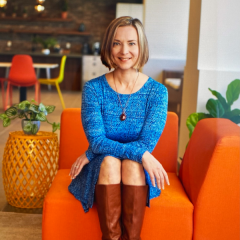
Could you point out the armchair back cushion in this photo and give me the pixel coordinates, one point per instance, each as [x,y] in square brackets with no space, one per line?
[73,141]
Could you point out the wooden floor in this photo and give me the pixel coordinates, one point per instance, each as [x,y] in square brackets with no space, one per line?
[72,100]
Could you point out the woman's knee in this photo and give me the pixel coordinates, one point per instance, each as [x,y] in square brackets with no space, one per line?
[110,171]
[132,173]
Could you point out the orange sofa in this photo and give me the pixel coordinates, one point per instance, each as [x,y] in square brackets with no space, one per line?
[201,204]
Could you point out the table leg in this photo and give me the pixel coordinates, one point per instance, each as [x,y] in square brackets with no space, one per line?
[38,72]
[48,77]
[23,94]
[6,76]
[7,72]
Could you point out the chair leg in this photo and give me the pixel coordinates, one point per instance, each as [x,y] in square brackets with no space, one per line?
[7,96]
[3,100]
[60,95]
[37,93]
[11,89]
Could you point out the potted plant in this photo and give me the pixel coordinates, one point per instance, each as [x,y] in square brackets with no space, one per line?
[218,108]
[31,115]
[64,9]
[25,12]
[46,44]
[3,12]
[14,13]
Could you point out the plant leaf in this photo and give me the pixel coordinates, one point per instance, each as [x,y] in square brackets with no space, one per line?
[50,108]
[42,109]
[34,128]
[193,119]
[3,116]
[34,108]
[55,126]
[24,105]
[215,108]
[233,113]
[6,122]
[21,114]
[235,119]
[41,117]
[28,127]
[233,91]
[221,99]
[11,112]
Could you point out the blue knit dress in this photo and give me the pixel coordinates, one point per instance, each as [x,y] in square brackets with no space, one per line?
[109,136]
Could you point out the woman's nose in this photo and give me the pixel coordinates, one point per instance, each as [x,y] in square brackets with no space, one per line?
[124,49]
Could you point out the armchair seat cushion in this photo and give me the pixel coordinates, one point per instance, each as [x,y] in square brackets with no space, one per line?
[170,215]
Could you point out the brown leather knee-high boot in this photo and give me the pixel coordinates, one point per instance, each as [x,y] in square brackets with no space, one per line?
[108,202]
[134,200]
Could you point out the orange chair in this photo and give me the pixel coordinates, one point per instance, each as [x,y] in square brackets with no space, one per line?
[22,74]
[194,206]
[2,80]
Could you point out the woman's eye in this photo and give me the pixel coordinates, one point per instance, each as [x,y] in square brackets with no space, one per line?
[115,43]
[132,43]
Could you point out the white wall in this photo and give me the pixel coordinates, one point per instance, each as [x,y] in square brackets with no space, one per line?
[134,10]
[166,26]
[219,48]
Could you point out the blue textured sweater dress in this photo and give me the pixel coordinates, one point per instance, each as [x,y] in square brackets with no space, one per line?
[109,136]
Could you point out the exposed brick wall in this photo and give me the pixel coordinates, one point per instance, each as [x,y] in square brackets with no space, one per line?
[95,14]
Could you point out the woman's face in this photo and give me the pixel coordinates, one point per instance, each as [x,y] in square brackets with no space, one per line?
[125,49]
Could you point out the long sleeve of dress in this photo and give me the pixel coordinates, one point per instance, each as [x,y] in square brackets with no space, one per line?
[92,121]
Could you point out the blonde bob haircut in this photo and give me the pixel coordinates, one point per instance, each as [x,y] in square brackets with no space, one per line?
[108,39]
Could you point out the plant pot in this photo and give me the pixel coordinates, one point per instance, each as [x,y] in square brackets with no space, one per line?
[45,51]
[14,15]
[64,15]
[25,15]
[30,127]
[3,15]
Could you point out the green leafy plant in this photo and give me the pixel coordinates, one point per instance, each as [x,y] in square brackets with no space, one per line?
[218,108]
[3,9]
[24,10]
[64,6]
[15,8]
[29,111]
[47,43]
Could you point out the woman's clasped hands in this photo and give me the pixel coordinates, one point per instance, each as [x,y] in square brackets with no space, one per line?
[78,165]
[155,170]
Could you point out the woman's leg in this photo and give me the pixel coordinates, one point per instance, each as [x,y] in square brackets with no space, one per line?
[108,198]
[134,198]
[110,172]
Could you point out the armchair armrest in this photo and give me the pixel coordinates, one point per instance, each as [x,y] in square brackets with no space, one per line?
[210,176]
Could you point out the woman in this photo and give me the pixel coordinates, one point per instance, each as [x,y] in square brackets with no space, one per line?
[123,115]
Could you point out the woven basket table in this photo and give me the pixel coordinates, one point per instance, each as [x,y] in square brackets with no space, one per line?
[30,162]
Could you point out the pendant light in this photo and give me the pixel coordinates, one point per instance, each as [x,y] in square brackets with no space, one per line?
[40,1]
[39,7]
[3,3]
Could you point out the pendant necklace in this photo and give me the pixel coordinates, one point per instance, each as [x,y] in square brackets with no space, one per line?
[123,116]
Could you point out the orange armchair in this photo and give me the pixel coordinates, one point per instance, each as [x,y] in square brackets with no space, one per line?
[202,203]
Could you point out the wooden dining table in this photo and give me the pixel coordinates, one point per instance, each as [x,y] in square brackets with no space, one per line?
[37,66]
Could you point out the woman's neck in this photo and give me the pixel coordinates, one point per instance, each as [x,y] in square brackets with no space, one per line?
[125,77]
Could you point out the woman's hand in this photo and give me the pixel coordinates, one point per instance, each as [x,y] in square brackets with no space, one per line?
[155,169]
[78,165]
